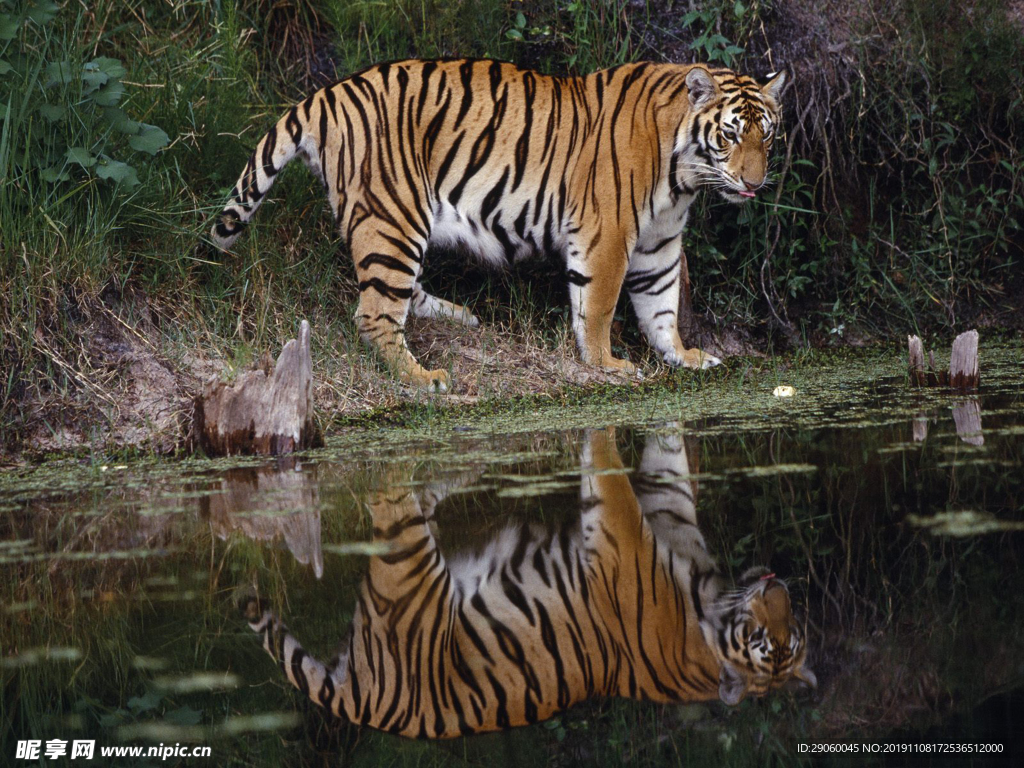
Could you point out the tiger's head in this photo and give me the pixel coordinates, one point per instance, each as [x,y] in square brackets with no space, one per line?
[756,638]
[733,121]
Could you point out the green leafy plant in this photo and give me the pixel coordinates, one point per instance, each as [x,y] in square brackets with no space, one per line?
[710,43]
[62,117]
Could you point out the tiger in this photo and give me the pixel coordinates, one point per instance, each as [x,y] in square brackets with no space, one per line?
[624,601]
[504,163]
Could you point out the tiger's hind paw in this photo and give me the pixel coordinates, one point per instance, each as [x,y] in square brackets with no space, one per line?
[432,381]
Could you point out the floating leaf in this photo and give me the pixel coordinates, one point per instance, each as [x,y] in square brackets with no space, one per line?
[108,95]
[965,522]
[140,704]
[150,139]
[267,721]
[149,663]
[44,653]
[80,156]
[199,681]
[359,548]
[116,171]
[53,112]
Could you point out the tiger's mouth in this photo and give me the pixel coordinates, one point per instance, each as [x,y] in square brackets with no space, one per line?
[738,196]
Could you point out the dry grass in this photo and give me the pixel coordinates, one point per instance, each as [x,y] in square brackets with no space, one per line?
[130,386]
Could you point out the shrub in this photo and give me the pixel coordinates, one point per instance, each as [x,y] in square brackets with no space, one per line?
[62,116]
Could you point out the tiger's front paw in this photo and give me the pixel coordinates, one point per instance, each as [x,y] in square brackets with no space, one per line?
[691,358]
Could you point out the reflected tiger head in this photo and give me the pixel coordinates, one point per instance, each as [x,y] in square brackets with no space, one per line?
[757,639]
[734,123]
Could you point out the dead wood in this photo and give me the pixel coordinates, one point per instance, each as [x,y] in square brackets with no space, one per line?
[963,362]
[963,372]
[260,414]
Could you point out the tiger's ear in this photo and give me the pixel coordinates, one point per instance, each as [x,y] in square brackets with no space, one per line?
[732,686]
[774,84]
[701,87]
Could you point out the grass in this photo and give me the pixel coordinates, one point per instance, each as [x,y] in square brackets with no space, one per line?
[838,255]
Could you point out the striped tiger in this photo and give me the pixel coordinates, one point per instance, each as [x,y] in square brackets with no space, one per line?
[625,601]
[504,162]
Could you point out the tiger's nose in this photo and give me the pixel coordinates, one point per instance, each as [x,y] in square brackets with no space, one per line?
[752,186]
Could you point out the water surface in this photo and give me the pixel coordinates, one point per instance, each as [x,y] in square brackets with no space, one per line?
[893,515]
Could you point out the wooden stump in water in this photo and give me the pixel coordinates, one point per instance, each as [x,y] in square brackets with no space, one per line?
[963,372]
[916,351]
[963,362]
[260,414]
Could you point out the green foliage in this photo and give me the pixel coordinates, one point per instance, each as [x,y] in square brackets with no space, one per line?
[366,32]
[63,119]
[902,205]
[576,37]
[711,45]
[939,126]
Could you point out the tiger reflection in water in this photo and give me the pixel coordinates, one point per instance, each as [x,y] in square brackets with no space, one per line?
[626,601]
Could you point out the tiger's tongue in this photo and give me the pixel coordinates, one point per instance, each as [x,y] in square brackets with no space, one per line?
[747,194]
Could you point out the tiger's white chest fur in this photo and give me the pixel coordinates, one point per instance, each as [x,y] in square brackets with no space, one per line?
[666,219]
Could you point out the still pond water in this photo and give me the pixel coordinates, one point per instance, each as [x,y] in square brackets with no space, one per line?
[895,517]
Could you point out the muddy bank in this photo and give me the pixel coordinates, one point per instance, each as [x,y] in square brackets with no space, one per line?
[123,376]
[113,381]
[131,382]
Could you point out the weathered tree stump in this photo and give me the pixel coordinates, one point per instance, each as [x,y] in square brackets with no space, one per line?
[260,414]
[963,362]
[963,365]
[916,365]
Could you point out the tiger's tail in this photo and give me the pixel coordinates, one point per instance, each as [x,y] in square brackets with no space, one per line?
[323,683]
[273,152]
